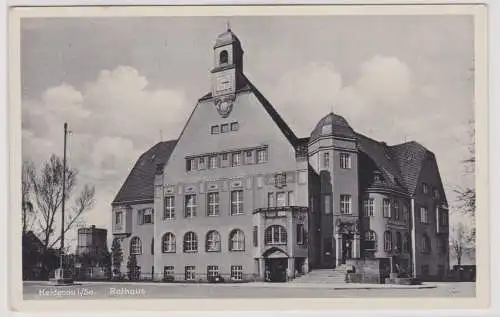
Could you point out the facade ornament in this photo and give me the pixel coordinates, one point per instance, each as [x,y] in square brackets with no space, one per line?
[224,105]
[338,226]
[356,226]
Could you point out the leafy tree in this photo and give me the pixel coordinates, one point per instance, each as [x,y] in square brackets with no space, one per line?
[116,257]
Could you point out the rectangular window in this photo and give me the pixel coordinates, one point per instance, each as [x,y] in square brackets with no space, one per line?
[425,188]
[270,200]
[190,273]
[169,212]
[236,202]
[212,272]
[326,160]
[236,159]
[327,203]
[424,215]
[386,204]
[368,207]
[255,236]
[214,162]
[147,216]
[201,163]
[396,209]
[236,272]
[191,165]
[224,128]
[345,160]
[214,129]
[262,156]
[280,180]
[190,206]
[168,272]
[118,217]
[300,233]
[212,204]
[436,193]
[234,126]
[345,204]
[444,217]
[224,156]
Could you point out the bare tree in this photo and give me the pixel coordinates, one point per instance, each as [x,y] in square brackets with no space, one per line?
[26,192]
[467,195]
[461,241]
[47,192]
[85,201]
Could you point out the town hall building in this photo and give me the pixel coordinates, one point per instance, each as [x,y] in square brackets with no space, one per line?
[238,195]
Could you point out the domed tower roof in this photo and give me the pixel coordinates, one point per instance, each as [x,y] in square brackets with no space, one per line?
[228,37]
[332,125]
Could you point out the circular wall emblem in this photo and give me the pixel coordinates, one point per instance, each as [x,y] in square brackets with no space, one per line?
[224,106]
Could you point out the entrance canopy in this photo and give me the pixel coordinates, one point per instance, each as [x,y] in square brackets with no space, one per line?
[275,253]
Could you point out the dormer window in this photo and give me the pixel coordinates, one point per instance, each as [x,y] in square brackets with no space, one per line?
[223,57]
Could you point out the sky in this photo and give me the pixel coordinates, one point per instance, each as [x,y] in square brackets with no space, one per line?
[124,84]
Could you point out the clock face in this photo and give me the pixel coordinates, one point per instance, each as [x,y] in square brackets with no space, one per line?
[223,83]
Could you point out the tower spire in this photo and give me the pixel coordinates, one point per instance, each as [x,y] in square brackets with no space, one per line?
[228,26]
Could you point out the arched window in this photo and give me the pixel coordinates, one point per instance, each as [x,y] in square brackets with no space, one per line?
[236,240]
[223,57]
[406,241]
[399,241]
[135,246]
[387,241]
[190,242]
[370,240]
[213,241]
[426,244]
[168,243]
[275,234]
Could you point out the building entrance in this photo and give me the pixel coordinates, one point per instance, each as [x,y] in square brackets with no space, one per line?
[276,270]
[346,247]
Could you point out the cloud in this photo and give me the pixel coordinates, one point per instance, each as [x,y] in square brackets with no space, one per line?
[309,89]
[386,103]
[112,120]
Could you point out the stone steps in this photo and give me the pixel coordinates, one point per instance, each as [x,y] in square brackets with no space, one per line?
[332,276]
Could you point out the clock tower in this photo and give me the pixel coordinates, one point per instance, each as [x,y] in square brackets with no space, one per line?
[227,74]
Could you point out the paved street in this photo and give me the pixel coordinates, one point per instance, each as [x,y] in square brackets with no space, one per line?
[44,290]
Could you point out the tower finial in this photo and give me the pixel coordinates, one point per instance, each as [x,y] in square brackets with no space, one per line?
[228,25]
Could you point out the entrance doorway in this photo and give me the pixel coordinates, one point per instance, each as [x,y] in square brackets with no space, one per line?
[276,269]
[346,247]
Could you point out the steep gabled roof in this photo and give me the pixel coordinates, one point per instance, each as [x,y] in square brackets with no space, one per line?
[410,158]
[379,153]
[139,184]
[292,138]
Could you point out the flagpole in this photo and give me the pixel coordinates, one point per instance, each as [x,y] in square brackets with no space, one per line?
[61,261]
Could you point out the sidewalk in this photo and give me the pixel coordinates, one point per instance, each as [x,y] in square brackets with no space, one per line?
[252,285]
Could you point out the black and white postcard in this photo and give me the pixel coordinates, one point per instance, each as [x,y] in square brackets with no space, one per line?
[279,157]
